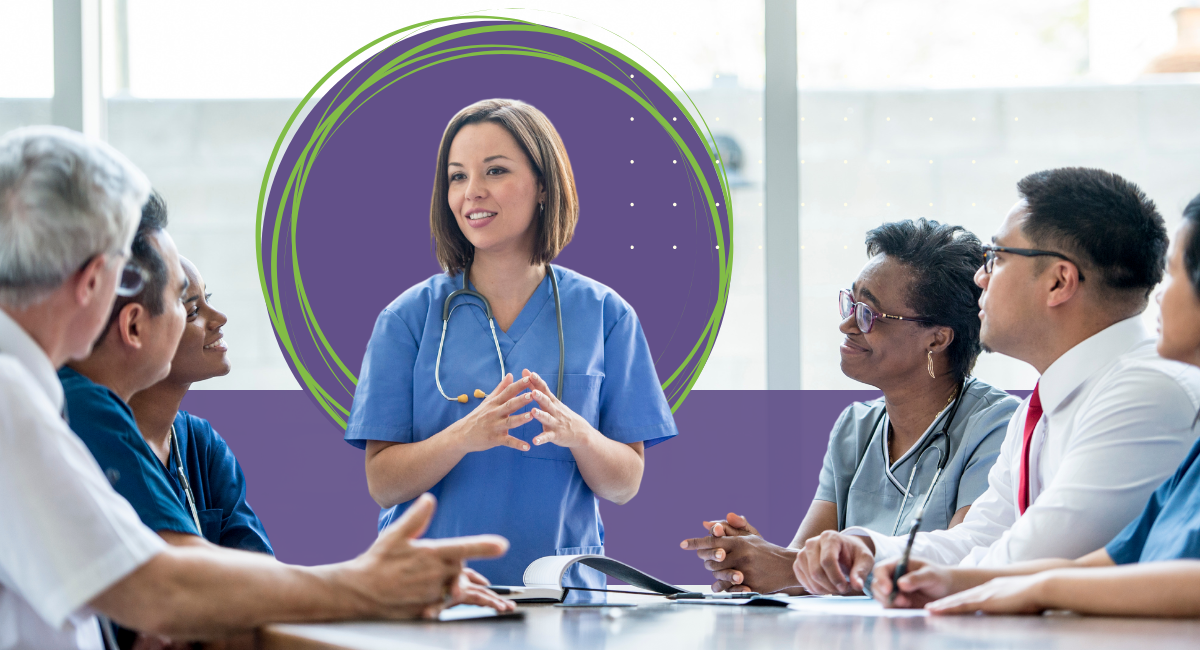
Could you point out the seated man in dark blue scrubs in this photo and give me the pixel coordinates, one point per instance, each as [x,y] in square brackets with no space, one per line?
[216,479]
[135,353]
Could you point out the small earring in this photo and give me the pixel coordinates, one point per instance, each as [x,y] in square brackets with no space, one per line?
[929,366]
[541,206]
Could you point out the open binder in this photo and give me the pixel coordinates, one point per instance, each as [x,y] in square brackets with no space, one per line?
[543,578]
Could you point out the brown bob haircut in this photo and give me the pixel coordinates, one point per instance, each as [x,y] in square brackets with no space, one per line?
[546,154]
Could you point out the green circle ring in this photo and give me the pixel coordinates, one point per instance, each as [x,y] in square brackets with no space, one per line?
[418,58]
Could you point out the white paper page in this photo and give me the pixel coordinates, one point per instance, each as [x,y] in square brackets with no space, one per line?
[849,606]
[548,571]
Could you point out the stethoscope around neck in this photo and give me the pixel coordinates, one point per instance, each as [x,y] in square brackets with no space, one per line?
[447,310]
[183,480]
[943,457]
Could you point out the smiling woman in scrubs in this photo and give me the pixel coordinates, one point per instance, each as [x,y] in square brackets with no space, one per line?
[509,456]
[214,476]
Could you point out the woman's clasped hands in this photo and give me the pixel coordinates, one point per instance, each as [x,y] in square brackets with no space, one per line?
[488,425]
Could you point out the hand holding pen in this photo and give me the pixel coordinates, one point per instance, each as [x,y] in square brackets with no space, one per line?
[907,583]
[902,566]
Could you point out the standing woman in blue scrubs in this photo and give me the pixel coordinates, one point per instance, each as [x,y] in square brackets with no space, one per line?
[501,449]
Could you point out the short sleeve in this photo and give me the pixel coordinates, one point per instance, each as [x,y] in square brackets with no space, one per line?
[1126,547]
[633,407]
[134,471]
[383,408]
[827,484]
[240,526]
[66,535]
[988,426]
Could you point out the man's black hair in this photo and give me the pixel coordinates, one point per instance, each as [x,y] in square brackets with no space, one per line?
[145,255]
[1103,222]
[943,260]
[1191,254]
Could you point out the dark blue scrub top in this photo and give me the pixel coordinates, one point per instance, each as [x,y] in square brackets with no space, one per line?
[1169,527]
[219,487]
[106,425]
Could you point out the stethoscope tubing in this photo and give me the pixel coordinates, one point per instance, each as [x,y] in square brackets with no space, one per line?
[447,311]
[183,480]
[943,458]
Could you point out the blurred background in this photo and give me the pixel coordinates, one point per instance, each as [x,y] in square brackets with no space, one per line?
[914,108]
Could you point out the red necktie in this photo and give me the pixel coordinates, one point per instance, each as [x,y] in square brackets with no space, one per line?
[1032,415]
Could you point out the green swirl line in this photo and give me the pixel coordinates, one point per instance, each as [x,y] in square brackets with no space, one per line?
[412,61]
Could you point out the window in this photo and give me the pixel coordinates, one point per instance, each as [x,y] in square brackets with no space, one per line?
[205,110]
[935,108]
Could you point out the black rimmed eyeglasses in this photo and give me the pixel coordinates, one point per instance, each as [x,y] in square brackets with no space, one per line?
[865,317]
[989,256]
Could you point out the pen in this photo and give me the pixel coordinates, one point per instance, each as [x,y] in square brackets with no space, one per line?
[902,566]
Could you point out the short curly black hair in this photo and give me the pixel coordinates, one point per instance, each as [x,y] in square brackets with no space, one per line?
[943,260]
[1103,221]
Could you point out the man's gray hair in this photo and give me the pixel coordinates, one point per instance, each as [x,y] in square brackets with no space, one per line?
[64,198]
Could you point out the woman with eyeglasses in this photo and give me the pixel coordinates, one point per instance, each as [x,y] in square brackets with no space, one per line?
[911,327]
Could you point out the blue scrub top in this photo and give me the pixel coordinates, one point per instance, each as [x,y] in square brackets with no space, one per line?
[106,425]
[537,499]
[1169,527]
[219,487]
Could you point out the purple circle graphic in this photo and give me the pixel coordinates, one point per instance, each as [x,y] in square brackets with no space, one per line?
[345,219]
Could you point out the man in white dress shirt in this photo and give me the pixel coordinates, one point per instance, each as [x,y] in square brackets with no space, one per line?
[1064,284]
[70,546]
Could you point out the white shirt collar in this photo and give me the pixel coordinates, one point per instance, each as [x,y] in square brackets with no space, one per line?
[1070,370]
[16,341]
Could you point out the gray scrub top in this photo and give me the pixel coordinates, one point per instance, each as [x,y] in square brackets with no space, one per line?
[868,489]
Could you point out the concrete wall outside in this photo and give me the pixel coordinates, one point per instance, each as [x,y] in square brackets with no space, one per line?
[867,159]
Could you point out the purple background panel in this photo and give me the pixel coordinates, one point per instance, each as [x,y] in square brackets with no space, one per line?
[363,229]
[757,453]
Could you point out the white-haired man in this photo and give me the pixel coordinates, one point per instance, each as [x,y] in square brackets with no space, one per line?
[71,547]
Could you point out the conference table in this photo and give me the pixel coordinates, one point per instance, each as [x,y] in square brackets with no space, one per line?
[635,622]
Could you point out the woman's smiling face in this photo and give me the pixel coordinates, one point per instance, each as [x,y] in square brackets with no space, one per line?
[494,190]
[202,351]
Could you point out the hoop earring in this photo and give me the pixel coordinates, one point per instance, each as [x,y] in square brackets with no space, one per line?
[929,366]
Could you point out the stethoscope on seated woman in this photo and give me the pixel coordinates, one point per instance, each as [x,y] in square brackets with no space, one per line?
[183,480]
[943,458]
[487,309]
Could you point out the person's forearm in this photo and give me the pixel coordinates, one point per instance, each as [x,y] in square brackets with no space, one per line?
[967,577]
[173,594]
[613,470]
[782,578]
[1163,589]
[402,472]
[963,578]
[821,516]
